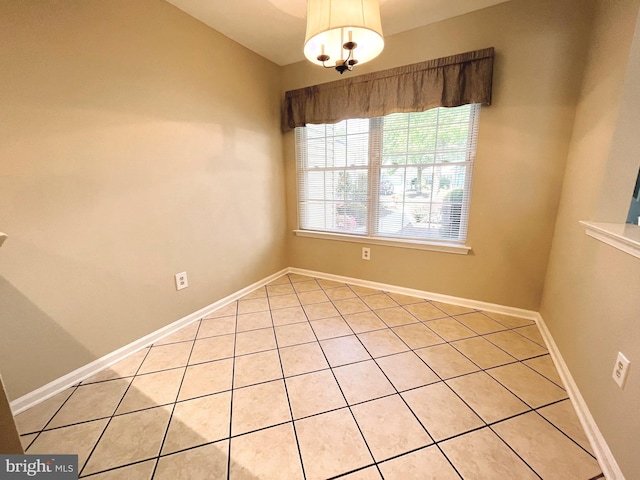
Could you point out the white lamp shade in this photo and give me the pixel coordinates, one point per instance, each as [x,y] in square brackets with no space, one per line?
[332,23]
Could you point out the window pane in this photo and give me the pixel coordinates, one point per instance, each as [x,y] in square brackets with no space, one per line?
[423,175]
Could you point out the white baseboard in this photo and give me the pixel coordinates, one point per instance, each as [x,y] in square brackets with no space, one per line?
[438,297]
[53,388]
[605,458]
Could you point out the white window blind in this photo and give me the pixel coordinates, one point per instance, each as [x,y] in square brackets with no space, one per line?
[405,175]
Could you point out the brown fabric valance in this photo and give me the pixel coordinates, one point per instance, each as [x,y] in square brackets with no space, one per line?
[443,82]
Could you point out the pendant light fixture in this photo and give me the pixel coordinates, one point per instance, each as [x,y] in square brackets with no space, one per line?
[343,33]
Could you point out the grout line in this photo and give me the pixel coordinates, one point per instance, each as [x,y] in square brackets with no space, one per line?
[93,449]
[286,391]
[561,431]
[233,371]
[342,392]
[173,409]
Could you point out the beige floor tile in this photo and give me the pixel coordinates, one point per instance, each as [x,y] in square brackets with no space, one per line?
[417,335]
[213,348]
[331,328]
[350,305]
[256,368]
[217,326]
[35,418]
[209,461]
[280,280]
[304,358]
[331,444]
[380,343]
[545,449]
[451,309]
[441,412]
[529,386]
[563,416]
[405,299]
[226,311]
[450,329]
[73,440]
[379,301]
[396,316]
[138,471]
[362,381]
[198,421]
[295,334]
[185,334]
[287,316]
[315,296]
[90,402]
[483,353]
[257,293]
[406,370]
[314,393]
[297,278]
[340,293]
[152,390]
[544,365]
[126,367]
[284,301]
[344,350]
[251,460]
[364,322]
[480,323]
[280,289]
[254,321]
[207,378]
[370,473]
[255,341]
[326,284]
[129,438]
[254,305]
[26,440]
[364,291]
[389,427]
[318,311]
[309,286]
[516,345]
[426,464]
[165,357]
[259,406]
[532,333]
[481,455]
[509,321]
[490,400]
[425,311]
[446,361]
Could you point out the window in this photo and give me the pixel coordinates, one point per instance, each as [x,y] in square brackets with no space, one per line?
[404,176]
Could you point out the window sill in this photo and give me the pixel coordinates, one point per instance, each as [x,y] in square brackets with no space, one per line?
[623,236]
[391,242]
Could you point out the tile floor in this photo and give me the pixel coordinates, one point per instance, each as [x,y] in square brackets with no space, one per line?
[310,378]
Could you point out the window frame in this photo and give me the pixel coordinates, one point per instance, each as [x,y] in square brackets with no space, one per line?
[374,170]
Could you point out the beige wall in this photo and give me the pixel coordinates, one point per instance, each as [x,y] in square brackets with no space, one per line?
[591,302]
[135,143]
[9,438]
[522,147]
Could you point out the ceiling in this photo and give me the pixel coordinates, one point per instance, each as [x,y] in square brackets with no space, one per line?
[275,29]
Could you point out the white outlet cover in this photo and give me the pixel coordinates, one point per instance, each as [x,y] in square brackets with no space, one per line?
[181,280]
[621,370]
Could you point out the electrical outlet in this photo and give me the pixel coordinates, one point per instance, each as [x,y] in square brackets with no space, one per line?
[181,280]
[621,370]
[366,253]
